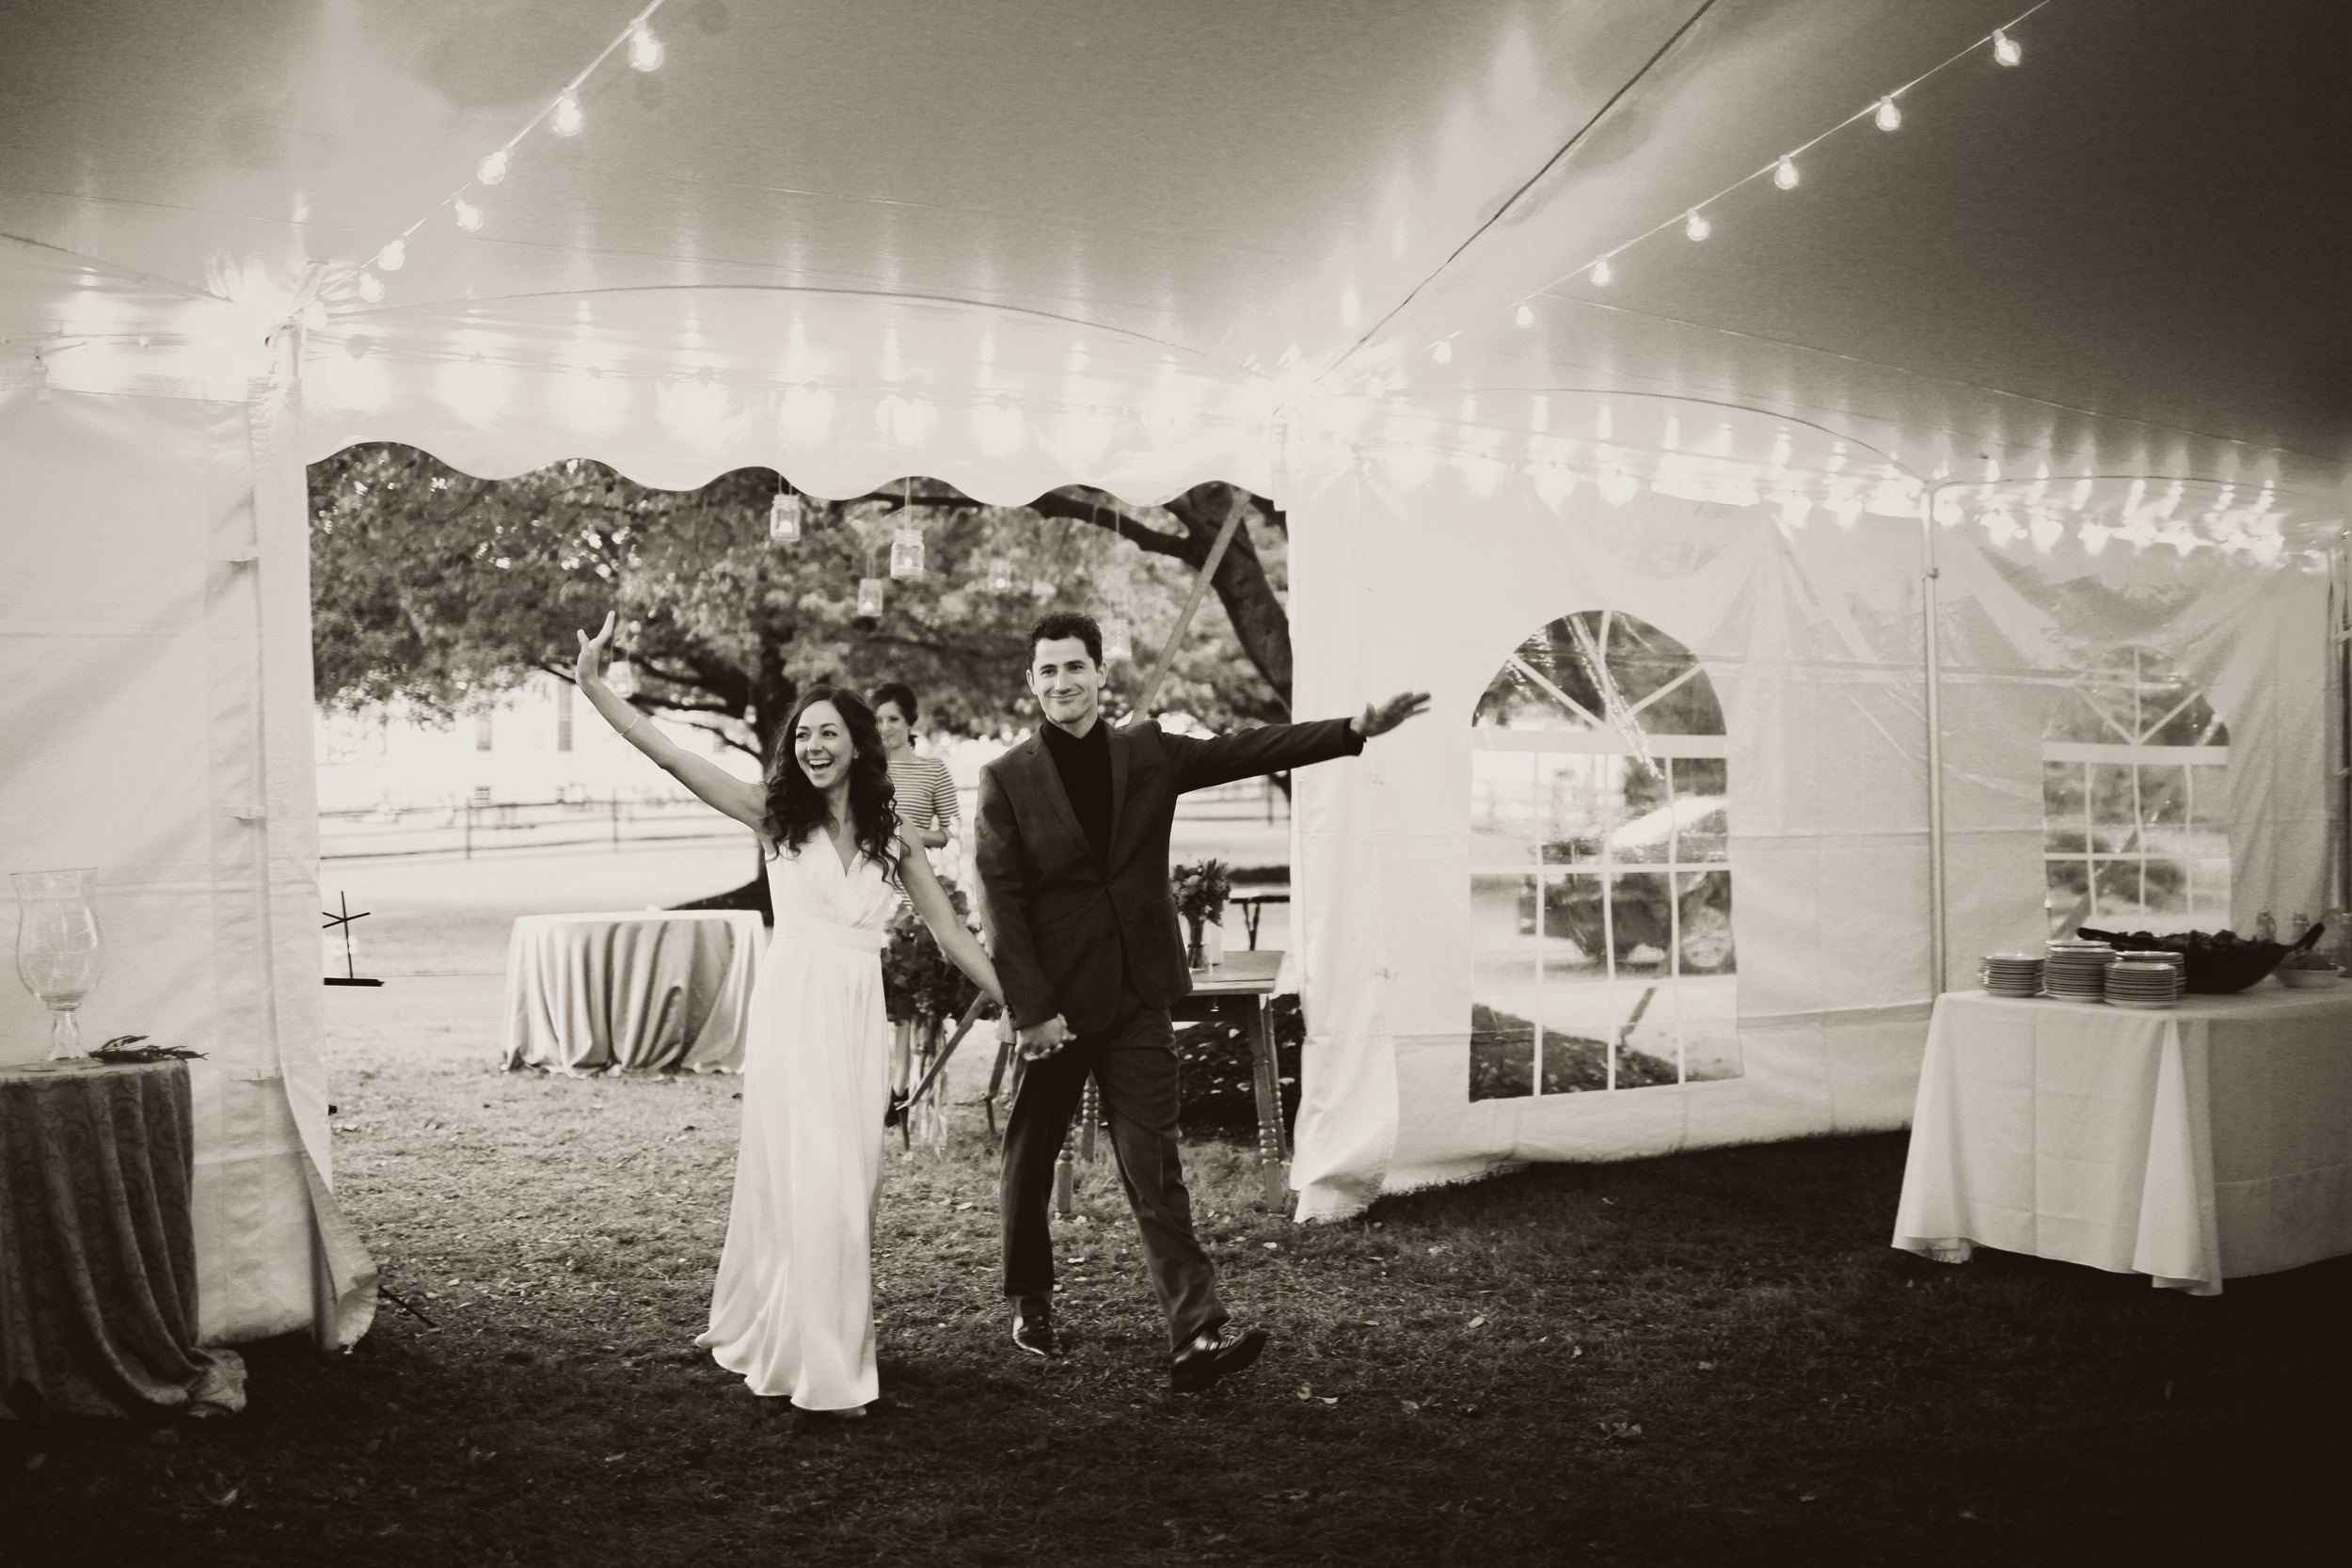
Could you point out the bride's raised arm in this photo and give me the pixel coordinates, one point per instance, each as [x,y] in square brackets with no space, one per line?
[743,800]
[955,939]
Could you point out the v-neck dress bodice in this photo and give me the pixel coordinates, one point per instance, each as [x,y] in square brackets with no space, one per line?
[794,1308]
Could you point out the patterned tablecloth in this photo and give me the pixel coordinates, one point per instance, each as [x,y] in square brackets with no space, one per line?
[658,991]
[98,1245]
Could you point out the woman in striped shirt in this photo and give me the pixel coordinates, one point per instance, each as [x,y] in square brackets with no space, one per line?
[925,791]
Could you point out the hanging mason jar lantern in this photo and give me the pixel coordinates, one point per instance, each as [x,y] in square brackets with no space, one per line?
[1117,642]
[869,598]
[784,518]
[906,552]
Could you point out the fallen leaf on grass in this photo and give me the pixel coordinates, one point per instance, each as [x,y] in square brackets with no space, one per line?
[611,1457]
[226,1497]
[1707,1366]
[1478,1321]
[35,1460]
[1411,1407]
[1624,1432]
[1334,1400]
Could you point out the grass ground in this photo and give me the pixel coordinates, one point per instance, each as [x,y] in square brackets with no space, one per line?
[1714,1358]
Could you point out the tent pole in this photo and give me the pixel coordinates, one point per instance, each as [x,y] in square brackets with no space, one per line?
[1930,600]
[2340,633]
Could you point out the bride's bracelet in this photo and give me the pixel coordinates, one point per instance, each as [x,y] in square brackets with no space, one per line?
[631,727]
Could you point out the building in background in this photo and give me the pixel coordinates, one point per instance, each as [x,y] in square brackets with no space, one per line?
[540,743]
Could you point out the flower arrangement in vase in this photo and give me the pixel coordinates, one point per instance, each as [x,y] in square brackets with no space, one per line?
[1201,889]
[923,990]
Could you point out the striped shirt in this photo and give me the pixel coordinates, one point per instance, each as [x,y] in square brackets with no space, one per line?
[925,791]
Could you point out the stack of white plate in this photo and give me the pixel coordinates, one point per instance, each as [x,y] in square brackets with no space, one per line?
[2144,980]
[2077,971]
[2012,974]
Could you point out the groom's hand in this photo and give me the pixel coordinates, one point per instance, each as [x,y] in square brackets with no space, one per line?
[1040,1040]
[1380,718]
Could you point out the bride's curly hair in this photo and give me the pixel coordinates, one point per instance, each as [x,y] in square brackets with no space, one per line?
[796,808]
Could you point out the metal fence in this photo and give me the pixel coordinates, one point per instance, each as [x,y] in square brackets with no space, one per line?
[479,827]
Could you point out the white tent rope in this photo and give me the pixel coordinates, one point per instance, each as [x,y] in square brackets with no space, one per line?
[1192,602]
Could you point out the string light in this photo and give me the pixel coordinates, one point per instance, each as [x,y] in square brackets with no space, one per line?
[392,256]
[1603,274]
[1525,316]
[646,51]
[469,216]
[567,119]
[1441,351]
[371,287]
[1884,111]
[314,316]
[492,168]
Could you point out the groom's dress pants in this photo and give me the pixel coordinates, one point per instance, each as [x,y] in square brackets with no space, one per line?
[1135,1062]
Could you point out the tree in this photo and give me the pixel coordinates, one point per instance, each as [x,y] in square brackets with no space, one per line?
[440,591]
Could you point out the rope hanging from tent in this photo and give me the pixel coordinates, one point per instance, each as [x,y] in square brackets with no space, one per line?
[1192,601]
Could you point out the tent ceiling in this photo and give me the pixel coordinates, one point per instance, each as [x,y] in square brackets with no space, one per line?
[2124,251]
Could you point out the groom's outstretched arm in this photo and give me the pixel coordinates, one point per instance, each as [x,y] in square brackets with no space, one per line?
[1004,909]
[1204,764]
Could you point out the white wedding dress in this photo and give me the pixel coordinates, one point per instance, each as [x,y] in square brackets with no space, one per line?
[794,1307]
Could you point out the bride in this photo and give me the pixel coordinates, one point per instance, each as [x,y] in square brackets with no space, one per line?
[794,1307]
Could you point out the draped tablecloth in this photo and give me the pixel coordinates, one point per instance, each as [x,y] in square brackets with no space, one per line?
[656,992]
[98,1245]
[2206,1142]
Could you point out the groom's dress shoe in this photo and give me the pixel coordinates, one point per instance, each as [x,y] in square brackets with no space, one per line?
[1211,1356]
[1033,1325]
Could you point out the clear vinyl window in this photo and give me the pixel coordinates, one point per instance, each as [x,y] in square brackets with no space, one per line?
[1601,866]
[2135,797]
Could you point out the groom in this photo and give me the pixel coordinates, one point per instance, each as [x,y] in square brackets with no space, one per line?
[1072,860]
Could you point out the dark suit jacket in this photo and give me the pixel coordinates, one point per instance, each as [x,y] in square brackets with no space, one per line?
[1057,917]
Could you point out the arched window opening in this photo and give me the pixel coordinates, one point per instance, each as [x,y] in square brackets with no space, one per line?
[2135,798]
[1601,866]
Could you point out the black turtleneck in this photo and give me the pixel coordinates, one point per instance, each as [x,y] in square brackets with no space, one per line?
[1085,766]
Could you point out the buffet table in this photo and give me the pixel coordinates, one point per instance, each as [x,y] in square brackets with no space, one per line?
[658,992]
[98,1245]
[2208,1141]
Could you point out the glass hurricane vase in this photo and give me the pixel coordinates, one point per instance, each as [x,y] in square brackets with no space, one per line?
[60,951]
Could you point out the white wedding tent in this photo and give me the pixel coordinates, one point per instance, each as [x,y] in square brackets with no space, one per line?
[1864,481]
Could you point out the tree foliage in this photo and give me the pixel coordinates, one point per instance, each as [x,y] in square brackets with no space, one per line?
[440,591]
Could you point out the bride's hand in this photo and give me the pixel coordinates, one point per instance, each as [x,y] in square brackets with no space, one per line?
[592,651]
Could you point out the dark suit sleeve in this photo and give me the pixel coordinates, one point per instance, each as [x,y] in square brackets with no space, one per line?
[1005,906]
[1203,764]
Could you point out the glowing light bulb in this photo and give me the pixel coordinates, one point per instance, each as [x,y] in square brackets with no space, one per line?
[469,216]
[371,287]
[392,256]
[1889,117]
[646,51]
[568,119]
[314,316]
[491,170]
[1786,175]
[870,599]
[1695,227]
[2006,49]
[1524,316]
[1441,351]
[1603,274]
